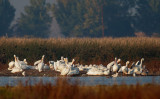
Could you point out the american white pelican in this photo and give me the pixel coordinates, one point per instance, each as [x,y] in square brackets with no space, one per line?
[81,67]
[25,61]
[62,59]
[138,68]
[22,62]
[65,71]
[17,65]
[16,70]
[112,63]
[95,71]
[60,66]
[41,64]
[73,71]
[107,72]
[115,67]
[39,61]
[11,65]
[124,69]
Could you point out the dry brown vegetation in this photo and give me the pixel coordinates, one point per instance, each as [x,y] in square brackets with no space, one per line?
[65,90]
[84,50]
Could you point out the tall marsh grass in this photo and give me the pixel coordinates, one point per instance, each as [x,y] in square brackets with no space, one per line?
[64,90]
[84,50]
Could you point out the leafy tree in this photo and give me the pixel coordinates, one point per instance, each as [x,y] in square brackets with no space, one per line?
[148,18]
[117,19]
[78,18]
[7,12]
[92,18]
[35,21]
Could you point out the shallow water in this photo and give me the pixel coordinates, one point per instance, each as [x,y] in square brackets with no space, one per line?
[88,81]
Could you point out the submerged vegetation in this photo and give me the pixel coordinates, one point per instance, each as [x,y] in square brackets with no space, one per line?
[83,50]
[62,89]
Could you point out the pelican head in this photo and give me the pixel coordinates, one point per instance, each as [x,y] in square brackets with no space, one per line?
[25,60]
[142,59]
[127,62]
[62,58]
[119,60]
[43,57]
[14,56]
[73,60]
[65,60]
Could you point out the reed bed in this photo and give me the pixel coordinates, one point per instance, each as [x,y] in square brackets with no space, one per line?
[65,90]
[84,50]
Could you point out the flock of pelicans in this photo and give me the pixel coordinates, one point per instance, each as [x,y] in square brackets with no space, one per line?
[69,68]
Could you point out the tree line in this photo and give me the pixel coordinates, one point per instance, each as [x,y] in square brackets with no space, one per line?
[83,18]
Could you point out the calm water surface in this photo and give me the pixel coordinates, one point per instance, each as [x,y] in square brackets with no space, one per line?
[88,81]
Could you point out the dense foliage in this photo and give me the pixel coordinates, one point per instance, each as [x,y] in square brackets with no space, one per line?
[35,21]
[97,18]
[79,17]
[7,12]
[83,18]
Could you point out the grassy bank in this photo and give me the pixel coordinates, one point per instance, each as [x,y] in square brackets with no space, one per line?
[84,50]
[64,90]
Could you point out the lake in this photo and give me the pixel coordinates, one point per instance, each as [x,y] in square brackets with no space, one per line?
[88,81]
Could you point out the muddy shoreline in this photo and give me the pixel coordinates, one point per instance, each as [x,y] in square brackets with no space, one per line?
[52,73]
